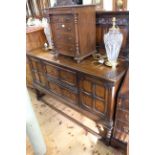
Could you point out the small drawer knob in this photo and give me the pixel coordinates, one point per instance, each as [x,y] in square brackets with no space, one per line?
[63,25]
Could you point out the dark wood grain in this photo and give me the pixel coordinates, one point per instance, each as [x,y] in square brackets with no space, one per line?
[74,30]
[35,38]
[121,126]
[88,87]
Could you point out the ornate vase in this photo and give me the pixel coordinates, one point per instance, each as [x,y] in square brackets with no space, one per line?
[113,41]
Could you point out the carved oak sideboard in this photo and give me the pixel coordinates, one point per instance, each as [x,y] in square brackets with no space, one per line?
[87,87]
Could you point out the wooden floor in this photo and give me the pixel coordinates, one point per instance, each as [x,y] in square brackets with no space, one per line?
[64,137]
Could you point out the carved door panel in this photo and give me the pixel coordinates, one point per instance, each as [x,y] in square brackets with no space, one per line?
[100,91]
[92,95]
[38,71]
[87,100]
[99,106]
[86,85]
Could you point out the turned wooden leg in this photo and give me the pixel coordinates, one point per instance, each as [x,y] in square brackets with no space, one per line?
[108,136]
[39,94]
[105,141]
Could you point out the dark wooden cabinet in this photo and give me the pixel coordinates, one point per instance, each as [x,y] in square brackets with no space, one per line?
[85,87]
[73,30]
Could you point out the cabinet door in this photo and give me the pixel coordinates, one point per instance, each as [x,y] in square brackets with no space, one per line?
[38,71]
[92,95]
[36,65]
[87,100]
[28,75]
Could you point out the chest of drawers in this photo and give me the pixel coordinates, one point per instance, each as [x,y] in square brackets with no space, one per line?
[86,87]
[73,30]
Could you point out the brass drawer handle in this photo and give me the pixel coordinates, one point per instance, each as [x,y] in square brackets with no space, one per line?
[63,25]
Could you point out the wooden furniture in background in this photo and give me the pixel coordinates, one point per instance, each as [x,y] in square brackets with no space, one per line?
[35,38]
[74,30]
[120,135]
[87,87]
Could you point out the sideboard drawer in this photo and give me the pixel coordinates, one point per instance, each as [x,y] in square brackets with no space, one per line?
[65,39]
[52,70]
[55,88]
[62,18]
[68,77]
[67,28]
[69,95]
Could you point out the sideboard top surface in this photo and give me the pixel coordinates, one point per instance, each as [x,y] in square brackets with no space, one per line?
[88,65]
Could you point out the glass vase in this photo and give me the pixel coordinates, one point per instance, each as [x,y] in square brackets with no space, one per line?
[113,41]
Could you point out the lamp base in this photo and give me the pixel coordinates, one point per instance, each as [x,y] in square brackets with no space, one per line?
[109,64]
